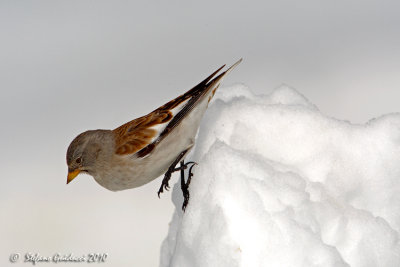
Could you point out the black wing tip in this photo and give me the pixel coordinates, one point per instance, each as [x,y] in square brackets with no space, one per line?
[222,75]
[205,81]
[213,74]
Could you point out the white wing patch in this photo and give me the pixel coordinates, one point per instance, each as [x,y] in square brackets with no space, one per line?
[160,127]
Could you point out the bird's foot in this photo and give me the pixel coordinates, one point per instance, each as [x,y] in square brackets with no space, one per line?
[186,196]
[165,182]
[167,176]
[185,186]
[171,170]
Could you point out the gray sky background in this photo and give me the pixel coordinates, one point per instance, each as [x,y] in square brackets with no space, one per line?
[69,66]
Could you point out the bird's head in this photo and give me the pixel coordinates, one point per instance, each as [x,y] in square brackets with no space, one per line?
[83,152]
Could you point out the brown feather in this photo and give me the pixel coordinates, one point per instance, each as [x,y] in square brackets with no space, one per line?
[136,134]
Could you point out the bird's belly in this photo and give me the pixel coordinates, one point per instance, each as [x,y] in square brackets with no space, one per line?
[131,172]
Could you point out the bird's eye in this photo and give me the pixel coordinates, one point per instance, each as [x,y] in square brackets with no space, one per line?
[78,160]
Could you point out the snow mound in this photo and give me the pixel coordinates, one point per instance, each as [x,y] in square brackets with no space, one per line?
[280,184]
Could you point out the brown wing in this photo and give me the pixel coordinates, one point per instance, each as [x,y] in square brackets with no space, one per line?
[138,136]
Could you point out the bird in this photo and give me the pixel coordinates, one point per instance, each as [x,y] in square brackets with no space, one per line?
[145,148]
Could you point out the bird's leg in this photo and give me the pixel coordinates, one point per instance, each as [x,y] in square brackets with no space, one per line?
[185,186]
[171,169]
[190,174]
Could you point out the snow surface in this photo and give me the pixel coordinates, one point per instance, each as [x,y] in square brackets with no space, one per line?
[280,184]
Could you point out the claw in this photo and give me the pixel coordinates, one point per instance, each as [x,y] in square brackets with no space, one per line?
[164,184]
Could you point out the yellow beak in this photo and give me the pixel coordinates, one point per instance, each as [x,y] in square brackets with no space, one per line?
[72,175]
